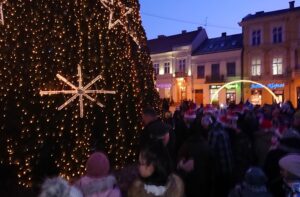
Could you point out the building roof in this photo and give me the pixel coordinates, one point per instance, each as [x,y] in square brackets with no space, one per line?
[167,43]
[220,44]
[272,13]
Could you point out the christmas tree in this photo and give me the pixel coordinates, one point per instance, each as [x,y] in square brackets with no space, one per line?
[74,77]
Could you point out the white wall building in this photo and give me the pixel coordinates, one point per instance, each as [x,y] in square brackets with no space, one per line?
[191,66]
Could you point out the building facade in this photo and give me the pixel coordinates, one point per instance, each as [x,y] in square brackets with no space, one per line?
[216,62]
[171,57]
[189,66]
[272,55]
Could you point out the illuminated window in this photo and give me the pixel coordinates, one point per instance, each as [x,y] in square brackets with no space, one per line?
[167,68]
[156,69]
[256,67]
[277,66]
[182,65]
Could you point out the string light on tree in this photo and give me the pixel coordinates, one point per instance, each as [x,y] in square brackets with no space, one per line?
[79,91]
[45,37]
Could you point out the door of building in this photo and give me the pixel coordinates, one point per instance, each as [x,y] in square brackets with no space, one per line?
[230,97]
[199,96]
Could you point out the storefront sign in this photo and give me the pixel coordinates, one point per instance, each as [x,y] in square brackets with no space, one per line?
[232,86]
[270,85]
[214,86]
[164,85]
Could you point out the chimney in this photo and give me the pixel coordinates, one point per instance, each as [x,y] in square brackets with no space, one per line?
[183,31]
[161,36]
[199,28]
[292,4]
[224,34]
[260,12]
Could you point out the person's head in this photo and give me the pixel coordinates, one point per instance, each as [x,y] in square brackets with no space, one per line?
[58,187]
[290,167]
[154,164]
[97,165]
[160,132]
[206,121]
[255,177]
[149,115]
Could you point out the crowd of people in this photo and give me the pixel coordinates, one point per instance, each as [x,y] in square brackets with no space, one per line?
[235,151]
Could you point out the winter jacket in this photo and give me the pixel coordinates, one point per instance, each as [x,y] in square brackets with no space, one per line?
[271,166]
[292,189]
[98,187]
[200,181]
[262,145]
[244,190]
[174,188]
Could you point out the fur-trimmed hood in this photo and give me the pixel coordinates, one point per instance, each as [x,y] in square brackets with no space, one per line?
[102,187]
[174,188]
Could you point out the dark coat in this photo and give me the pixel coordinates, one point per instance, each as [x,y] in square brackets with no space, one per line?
[199,182]
[271,166]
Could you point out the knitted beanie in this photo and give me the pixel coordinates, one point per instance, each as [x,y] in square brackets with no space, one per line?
[97,165]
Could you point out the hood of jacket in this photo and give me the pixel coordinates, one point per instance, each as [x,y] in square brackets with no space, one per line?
[90,186]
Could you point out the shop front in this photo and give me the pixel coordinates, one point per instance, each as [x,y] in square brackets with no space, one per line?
[260,96]
[212,90]
[164,90]
[232,91]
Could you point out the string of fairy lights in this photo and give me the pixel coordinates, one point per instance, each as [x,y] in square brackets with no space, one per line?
[42,43]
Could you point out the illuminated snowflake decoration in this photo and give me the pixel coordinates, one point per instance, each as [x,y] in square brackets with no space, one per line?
[80,91]
[122,20]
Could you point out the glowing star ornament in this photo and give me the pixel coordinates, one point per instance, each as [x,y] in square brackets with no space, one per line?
[122,19]
[80,91]
[1,12]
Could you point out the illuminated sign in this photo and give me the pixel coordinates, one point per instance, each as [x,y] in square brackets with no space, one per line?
[232,86]
[164,85]
[270,85]
[214,86]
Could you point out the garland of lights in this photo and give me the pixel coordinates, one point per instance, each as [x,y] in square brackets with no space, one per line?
[42,38]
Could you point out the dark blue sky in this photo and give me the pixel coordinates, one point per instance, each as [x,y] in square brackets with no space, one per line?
[168,17]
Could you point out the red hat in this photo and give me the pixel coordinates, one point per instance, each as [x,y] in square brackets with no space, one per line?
[97,165]
[266,124]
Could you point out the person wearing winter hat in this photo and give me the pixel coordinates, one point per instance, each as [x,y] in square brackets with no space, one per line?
[97,182]
[290,166]
[156,177]
[154,128]
[58,187]
[254,185]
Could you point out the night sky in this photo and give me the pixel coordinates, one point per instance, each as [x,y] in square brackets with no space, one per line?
[168,17]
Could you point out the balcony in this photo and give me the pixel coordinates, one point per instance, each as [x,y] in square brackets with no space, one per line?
[180,74]
[215,79]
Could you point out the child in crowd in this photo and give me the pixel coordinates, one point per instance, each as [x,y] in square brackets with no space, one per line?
[58,187]
[97,182]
